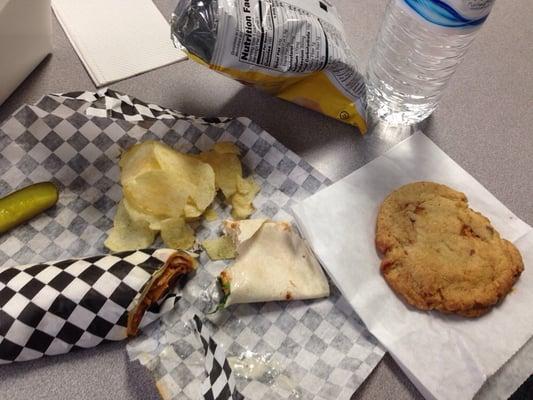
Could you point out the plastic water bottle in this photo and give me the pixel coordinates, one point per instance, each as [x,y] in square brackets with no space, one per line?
[419,47]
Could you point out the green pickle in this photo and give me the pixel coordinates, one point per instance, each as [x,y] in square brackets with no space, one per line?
[24,204]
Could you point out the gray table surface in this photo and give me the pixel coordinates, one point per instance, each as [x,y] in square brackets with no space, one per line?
[484,123]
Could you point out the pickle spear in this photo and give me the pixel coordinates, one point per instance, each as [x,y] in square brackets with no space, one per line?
[26,203]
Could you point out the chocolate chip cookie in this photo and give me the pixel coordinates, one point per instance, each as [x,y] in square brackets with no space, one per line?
[439,254]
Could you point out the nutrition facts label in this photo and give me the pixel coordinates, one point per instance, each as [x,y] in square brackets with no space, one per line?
[280,36]
[286,38]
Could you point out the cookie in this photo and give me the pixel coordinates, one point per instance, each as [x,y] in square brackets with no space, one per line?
[439,254]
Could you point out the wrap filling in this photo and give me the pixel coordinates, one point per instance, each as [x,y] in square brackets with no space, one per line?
[177,265]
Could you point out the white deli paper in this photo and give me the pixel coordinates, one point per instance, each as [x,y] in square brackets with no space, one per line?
[446,357]
[117,39]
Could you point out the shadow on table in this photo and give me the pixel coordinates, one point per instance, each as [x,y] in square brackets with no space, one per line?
[287,122]
[14,101]
[389,381]
[89,373]
[317,138]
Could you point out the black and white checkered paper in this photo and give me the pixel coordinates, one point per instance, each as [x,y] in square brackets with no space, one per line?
[76,139]
[219,382]
[51,308]
[108,103]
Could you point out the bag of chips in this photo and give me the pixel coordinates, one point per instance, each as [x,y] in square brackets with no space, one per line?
[293,49]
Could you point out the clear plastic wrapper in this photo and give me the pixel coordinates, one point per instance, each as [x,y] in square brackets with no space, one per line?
[312,349]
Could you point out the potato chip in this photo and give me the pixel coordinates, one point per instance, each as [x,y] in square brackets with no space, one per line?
[138,216]
[242,209]
[210,214]
[242,200]
[138,158]
[226,148]
[128,234]
[186,168]
[191,211]
[163,189]
[239,192]
[247,186]
[221,248]
[177,234]
[227,168]
[159,193]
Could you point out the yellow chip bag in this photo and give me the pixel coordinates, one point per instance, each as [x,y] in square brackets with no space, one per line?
[293,49]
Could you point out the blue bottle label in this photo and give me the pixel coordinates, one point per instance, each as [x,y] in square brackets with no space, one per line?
[452,13]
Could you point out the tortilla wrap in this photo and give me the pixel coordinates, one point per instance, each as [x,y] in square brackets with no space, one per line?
[273,263]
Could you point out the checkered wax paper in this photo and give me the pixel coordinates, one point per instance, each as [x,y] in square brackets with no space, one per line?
[75,140]
[51,308]
[219,381]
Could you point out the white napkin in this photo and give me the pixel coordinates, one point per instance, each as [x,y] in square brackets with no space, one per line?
[116,39]
[446,357]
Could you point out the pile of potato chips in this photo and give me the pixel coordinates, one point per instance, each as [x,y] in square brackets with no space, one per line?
[164,189]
